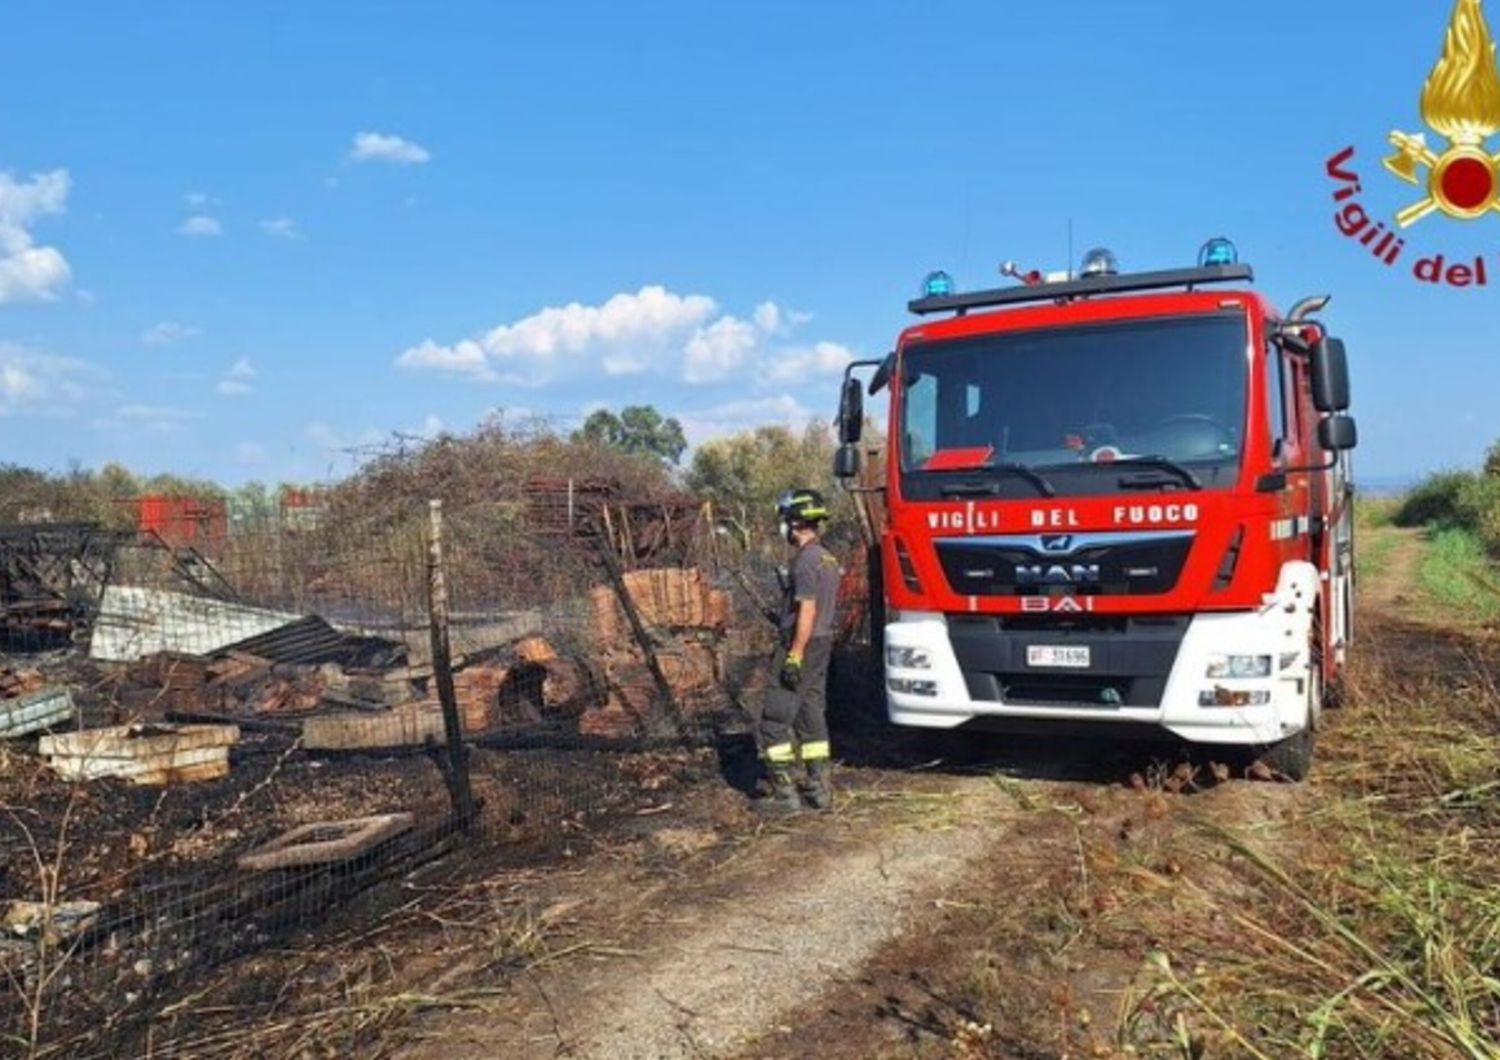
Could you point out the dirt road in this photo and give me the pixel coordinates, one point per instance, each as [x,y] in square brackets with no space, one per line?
[863,931]
[710,964]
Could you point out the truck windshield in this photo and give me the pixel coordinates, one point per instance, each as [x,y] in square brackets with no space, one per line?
[1096,409]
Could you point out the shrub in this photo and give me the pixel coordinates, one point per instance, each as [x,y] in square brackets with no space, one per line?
[1436,499]
[1479,510]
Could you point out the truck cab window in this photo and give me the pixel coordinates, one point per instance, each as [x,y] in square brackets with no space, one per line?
[1276,385]
[1070,400]
[920,414]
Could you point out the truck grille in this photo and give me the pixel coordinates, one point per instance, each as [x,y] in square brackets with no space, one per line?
[1105,564]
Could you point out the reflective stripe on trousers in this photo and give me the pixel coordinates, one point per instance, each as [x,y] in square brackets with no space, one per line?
[781,754]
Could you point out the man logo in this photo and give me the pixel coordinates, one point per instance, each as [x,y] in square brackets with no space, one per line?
[1037,574]
[1057,542]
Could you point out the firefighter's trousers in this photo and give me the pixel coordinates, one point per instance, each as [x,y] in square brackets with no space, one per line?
[794,723]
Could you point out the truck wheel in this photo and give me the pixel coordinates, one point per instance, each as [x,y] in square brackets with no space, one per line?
[1292,758]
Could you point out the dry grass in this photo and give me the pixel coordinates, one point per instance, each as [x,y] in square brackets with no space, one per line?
[1375,930]
[1357,916]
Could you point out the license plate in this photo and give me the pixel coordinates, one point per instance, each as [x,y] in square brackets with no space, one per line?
[1067,658]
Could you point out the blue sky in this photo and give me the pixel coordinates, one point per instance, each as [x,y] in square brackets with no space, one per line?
[212,272]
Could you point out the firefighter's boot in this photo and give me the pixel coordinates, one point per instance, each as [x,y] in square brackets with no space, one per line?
[817,790]
[781,799]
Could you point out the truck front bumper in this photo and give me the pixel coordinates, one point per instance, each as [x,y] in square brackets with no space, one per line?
[1182,700]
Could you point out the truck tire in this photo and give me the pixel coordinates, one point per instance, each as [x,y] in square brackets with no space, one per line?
[1292,758]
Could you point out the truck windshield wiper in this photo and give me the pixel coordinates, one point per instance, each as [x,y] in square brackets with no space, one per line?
[1004,467]
[1164,463]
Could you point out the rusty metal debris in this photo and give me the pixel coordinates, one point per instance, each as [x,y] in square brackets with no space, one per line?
[51,577]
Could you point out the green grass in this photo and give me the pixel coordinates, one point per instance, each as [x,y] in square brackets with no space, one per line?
[1375,512]
[1459,577]
[1373,549]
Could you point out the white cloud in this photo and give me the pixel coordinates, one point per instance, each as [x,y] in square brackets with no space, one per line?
[653,330]
[281,228]
[382,147]
[27,271]
[462,358]
[249,454]
[723,349]
[802,362]
[35,383]
[719,350]
[200,226]
[627,333]
[774,320]
[196,200]
[236,381]
[167,332]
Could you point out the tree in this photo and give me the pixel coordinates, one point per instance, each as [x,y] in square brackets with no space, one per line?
[252,506]
[744,475]
[639,430]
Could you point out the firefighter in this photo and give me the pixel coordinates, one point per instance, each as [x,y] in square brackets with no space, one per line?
[793,726]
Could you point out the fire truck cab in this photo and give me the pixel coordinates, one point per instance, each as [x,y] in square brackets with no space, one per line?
[1117,502]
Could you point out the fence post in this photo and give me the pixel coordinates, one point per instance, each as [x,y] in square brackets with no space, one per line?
[457,773]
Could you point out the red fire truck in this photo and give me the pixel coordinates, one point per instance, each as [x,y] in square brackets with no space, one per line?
[1115,502]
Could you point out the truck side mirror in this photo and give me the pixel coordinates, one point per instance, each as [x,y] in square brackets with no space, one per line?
[846,461]
[1330,376]
[851,411]
[1337,433]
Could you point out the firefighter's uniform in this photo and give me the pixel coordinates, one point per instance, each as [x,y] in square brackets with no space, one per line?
[794,723]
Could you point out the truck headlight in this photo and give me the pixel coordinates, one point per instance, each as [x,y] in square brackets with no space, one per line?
[912,687]
[908,658]
[1239,666]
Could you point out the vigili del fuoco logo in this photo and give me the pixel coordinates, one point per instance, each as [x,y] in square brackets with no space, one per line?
[1460,178]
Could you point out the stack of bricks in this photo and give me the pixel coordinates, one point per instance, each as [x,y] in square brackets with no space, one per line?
[686,620]
[477,689]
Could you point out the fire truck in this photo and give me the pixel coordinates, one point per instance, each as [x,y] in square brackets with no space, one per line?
[1114,503]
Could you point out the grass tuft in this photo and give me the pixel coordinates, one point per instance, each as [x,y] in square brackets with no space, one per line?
[1458,575]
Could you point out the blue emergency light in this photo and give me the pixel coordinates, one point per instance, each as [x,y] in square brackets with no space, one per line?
[1218,251]
[938,284]
[1100,261]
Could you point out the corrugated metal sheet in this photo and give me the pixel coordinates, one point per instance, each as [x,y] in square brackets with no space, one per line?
[135,622]
[310,641]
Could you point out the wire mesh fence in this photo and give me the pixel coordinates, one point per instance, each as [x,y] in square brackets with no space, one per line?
[244,734]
